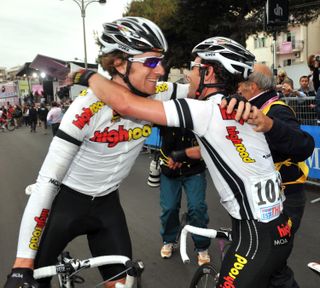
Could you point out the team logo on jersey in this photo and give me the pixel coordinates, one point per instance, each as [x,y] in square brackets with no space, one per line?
[113,137]
[226,116]
[237,142]
[284,231]
[36,234]
[84,92]
[162,87]
[234,272]
[84,118]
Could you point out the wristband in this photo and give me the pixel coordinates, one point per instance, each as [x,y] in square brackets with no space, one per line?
[238,97]
[179,156]
[82,77]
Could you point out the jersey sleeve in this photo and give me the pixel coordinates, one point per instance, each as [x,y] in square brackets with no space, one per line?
[62,151]
[188,113]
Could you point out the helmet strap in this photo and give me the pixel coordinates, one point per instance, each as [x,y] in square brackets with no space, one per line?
[202,85]
[125,78]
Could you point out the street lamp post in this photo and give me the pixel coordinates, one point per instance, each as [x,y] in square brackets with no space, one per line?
[83,4]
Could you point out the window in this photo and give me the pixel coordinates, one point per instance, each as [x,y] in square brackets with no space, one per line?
[288,62]
[260,42]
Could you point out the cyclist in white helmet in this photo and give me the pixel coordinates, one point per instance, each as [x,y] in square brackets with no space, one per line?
[76,192]
[238,158]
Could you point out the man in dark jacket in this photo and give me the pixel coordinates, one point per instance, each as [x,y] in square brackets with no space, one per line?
[289,146]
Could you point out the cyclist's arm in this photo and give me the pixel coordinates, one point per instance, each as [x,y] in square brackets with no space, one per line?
[126,103]
[62,150]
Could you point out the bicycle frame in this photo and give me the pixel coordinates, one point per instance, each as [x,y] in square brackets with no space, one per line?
[69,267]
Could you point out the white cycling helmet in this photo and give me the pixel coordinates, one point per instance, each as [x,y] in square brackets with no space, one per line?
[233,56]
[132,35]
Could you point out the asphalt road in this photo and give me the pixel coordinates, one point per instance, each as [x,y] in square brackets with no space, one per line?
[21,155]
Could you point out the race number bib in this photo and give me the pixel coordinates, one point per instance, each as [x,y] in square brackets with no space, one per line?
[267,196]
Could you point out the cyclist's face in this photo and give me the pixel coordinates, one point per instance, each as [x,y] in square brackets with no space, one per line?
[144,76]
[193,77]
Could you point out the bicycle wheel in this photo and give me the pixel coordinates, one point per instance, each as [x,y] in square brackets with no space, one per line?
[10,126]
[206,276]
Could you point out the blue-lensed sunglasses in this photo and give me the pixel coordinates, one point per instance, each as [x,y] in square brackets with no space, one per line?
[150,62]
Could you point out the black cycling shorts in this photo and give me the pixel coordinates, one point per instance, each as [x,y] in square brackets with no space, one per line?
[256,251]
[73,214]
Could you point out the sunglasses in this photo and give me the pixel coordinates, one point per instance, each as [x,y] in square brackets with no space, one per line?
[197,64]
[150,62]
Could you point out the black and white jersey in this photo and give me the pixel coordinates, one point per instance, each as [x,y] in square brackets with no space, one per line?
[238,158]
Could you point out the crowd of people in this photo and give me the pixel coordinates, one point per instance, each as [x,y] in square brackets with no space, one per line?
[307,102]
[33,115]
[245,164]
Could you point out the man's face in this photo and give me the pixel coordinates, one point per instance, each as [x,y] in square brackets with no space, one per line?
[245,89]
[193,77]
[304,83]
[142,76]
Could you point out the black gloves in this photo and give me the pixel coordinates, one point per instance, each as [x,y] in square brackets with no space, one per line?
[81,77]
[179,156]
[21,278]
[238,97]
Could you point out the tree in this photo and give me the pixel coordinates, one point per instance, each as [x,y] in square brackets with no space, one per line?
[187,22]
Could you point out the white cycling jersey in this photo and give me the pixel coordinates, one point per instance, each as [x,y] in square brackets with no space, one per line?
[93,151]
[238,159]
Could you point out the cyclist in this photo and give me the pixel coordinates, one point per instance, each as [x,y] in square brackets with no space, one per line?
[289,145]
[76,191]
[238,158]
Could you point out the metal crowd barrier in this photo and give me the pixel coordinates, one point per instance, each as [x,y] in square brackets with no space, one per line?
[305,109]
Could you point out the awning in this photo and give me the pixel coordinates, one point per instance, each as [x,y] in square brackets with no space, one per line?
[53,67]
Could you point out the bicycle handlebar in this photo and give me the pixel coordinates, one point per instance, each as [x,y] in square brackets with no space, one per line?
[76,265]
[206,232]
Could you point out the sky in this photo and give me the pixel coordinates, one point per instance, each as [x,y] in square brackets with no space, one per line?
[52,28]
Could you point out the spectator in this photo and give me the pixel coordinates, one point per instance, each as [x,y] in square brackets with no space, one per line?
[191,177]
[17,115]
[287,91]
[42,113]
[54,117]
[307,106]
[282,77]
[25,113]
[313,63]
[33,118]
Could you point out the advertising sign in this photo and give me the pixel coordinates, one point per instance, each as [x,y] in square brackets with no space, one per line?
[313,160]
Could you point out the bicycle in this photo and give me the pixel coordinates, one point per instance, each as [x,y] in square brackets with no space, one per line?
[7,124]
[67,268]
[206,275]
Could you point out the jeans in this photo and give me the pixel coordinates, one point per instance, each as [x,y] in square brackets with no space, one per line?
[170,201]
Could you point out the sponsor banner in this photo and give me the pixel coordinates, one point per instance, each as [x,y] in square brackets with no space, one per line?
[313,161]
[8,90]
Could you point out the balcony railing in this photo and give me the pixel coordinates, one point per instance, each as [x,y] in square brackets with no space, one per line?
[290,47]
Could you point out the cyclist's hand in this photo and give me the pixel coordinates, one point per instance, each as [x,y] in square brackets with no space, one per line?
[238,103]
[80,77]
[21,278]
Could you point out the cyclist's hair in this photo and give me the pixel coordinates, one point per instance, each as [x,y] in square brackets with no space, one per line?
[107,61]
[264,82]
